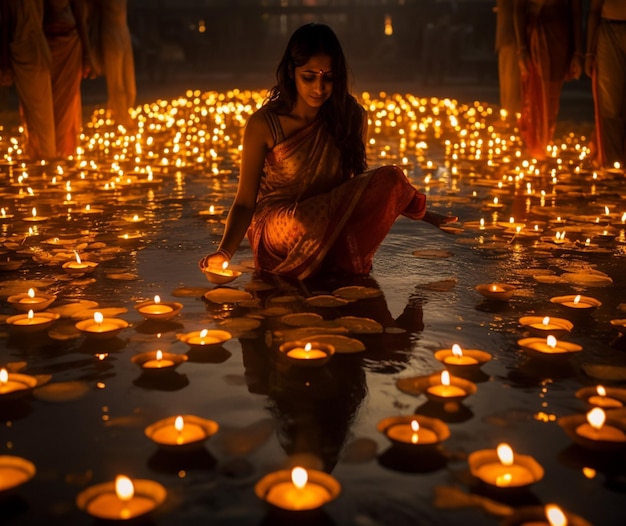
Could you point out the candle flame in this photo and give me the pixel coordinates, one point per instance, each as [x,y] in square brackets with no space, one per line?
[203,333]
[31,293]
[299,477]
[551,341]
[577,299]
[457,351]
[31,314]
[606,210]
[157,299]
[505,454]
[77,257]
[546,320]
[124,488]
[555,516]
[308,347]
[596,418]
[4,376]
[225,265]
[159,355]
[415,426]
[179,424]
[601,390]
[34,212]
[98,317]
[445,378]
[211,209]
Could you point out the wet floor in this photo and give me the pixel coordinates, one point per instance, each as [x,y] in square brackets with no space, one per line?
[86,424]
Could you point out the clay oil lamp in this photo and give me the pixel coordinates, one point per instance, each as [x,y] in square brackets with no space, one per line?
[297,490]
[158,310]
[121,500]
[309,354]
[182,432]
[414,432]
[158,361]
[619,324]
[101,328]
[15,385]
[548,515]
[213,212]
[31,300]
[549,346]
[597,430]
[205,338]
[446,388]
[9,264]
[130,238]
[576,305]
[14,471]
[459,360]
[496,291]
[543,326]
[31,321]
[78,266]
[500,468]
[221,275]
[34,218]
[604,397]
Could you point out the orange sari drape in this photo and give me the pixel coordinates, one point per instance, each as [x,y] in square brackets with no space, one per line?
[309,219]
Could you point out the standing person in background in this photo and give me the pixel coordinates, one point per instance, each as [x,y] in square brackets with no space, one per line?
[65,28]
[549,43]
[115,52]
[25,61]
[605,63]
[508,67]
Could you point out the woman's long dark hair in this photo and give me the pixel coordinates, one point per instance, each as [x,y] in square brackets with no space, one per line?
[342,115]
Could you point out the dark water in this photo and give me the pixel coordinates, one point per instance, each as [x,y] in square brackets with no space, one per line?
[270,414]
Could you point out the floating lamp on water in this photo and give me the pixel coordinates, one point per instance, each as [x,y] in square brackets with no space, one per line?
[15,385]
[221,275]
[496,291]
[123,499]
[549,346]
[414,432]
[14,471]
[31,300]
[182,432]
[78,266]
[543,326]
[298,489]
[158,310]
[100,327]
[158,361]
[205,337]
[446,388]
[309,354]
[457,359]
[576,304]
[604,397]
[34,218]
[502,469]
[597,430]
[548,515]
[32,322]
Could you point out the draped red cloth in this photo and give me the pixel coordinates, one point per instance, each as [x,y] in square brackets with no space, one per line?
[309,219]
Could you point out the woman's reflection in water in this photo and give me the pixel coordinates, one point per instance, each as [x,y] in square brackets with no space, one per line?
[314,408]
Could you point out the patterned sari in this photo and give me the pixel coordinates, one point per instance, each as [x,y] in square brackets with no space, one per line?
[310,219]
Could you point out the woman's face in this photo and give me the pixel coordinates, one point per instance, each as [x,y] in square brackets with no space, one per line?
[314,81]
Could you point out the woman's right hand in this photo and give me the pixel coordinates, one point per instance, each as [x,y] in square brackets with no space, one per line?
[214,260]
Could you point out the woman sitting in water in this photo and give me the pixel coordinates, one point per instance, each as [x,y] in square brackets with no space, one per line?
[304,198]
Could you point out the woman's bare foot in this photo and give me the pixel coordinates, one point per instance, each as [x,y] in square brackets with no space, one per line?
[438,220]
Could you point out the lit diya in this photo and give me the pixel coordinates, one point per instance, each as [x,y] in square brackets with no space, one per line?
[576,304]
[502,469]
[309,354]
[297,489]
[604,397]
[34,218]
[158,361]
[597,430]
[14,471]
[182,432]
[15,385]
[458,360]
[205,337]
[544,325]
[31,300]
[100,327]
[122,499]
[549,346]
[548,515]
[221,275]
[413,432]
[78,266]
[32,322]
[158,310]
[496,291]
